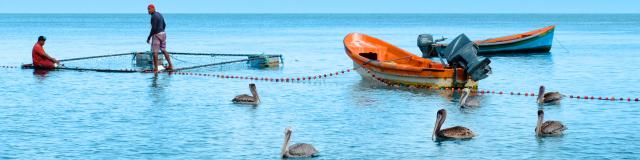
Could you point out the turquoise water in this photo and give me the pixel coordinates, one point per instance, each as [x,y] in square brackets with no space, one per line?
[89,115]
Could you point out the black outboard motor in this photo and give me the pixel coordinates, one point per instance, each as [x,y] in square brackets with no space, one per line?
[425,43]
[463,52]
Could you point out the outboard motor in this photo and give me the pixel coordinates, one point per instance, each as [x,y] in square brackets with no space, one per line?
[463,52]
[425,43]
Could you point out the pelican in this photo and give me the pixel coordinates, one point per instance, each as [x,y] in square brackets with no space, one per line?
[298,150]
[246,99]
[467,103]
[548,128]
[549,97]
[457,132]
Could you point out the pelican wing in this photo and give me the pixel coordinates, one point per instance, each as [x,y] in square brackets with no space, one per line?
[552,97]
[243,98]
[553,127]
[471,103]
[457,132]
[302,150]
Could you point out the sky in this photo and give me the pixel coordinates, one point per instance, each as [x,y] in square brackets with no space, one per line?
[322,6]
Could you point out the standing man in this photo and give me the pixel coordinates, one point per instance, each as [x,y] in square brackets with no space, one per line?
[157,37]
[41,60]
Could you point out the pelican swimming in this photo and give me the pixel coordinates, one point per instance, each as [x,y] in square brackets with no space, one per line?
[465,102]
[549,97]
[246,99]
[297,150]
[548,128]
[457,132]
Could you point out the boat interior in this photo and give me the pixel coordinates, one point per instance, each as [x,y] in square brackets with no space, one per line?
[377,50]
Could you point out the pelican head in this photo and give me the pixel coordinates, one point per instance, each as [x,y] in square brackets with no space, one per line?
[440,117]
[287,137]
[254,91]
[539,123]
[464,95]
[540,94]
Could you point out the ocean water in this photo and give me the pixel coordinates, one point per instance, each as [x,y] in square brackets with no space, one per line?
[91,115]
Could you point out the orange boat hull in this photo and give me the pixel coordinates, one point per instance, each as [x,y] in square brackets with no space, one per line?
[374,57]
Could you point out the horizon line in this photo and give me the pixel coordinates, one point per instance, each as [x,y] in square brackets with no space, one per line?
[308,13]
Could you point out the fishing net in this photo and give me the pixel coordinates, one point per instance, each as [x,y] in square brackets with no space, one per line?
[187,62]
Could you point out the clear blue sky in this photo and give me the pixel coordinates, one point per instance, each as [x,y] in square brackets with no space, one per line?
[322,6]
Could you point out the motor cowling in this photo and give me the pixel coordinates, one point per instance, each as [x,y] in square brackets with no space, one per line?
[463,52]
[425,43]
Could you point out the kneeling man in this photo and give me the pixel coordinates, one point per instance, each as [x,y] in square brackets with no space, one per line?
[41,60]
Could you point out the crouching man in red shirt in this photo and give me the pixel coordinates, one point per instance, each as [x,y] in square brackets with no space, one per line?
[41,59]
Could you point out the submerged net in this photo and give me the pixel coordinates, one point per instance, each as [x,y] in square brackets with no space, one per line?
[190,62]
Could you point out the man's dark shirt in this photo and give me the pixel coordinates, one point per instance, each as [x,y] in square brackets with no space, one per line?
[157,24]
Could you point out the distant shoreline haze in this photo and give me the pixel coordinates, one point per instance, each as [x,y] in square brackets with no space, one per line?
[369,13]
[325,6]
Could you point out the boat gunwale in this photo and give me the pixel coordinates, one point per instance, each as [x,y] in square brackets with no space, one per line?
[537,33]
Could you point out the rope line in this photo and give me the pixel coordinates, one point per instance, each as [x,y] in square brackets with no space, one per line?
[383,81]
[562,45]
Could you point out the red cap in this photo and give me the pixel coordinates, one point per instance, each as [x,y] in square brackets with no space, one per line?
[151,6]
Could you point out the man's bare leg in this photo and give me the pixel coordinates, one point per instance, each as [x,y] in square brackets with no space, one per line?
[168,57]
[155,61]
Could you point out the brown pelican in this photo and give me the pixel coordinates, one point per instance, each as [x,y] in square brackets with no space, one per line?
[465,102]
[297,150]
[548,128]
[549,97]
[246,99]
[457,132]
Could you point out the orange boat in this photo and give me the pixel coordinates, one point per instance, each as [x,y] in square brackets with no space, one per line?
[372,56]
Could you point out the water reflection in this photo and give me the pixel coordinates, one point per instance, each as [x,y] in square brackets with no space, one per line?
[41,73]
[159,83]
[514,54]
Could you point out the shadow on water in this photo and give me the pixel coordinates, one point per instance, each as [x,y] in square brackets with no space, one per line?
[369,85]
[509,54]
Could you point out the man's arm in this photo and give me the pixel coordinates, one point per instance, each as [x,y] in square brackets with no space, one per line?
[43,53]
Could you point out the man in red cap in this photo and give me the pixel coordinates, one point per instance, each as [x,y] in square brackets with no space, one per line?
[41,60]
[157,38]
